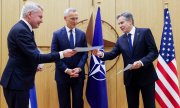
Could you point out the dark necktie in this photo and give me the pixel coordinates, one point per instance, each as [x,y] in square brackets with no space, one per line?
[32,33]
[33,37]
[71,40]
[130,42]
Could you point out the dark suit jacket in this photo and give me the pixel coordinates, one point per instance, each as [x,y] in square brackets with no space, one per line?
[60,42]
[24,57]
[144,49]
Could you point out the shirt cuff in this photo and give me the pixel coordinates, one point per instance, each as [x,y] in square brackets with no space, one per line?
[80,69]
[141,62]
[102,55]
[66,70]
[61,55]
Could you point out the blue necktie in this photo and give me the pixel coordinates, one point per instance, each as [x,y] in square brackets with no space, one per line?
[130,42]
[33,37]
[71,40]
[32,33]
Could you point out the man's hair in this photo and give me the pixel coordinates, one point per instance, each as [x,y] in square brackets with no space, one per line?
[127,15]
[30,6]
[67,11]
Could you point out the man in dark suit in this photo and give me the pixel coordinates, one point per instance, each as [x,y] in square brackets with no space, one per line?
[70,72]
[24,57]
[138,48]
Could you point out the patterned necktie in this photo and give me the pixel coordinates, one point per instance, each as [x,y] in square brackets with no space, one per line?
[71,40]
[130,42]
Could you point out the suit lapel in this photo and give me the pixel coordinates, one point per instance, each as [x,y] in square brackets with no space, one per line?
[65,37]
[136,37]
[76,37]
[32,33]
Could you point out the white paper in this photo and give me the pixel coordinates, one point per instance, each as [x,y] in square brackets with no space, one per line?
[125,69]
[85,49]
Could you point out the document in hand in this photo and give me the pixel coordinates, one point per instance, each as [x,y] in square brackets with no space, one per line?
[125,69]
[85,49]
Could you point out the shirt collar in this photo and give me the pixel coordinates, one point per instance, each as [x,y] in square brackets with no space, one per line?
[68,29]
[132,32]
[30,27]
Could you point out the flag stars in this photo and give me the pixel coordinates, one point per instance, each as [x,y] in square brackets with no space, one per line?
[163,49]
[166,22]
[169,44]
[167,17]
[164,38]
[169,39]
[167,60]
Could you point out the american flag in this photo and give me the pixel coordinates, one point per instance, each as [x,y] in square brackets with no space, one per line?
[167,87]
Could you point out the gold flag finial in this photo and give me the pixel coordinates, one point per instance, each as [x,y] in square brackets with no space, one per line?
[165,3]
[99,2]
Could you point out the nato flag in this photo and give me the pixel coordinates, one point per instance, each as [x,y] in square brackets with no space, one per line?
[96,91]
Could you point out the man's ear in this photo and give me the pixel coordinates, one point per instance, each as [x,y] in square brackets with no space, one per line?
[131,22]
[29,15]
[65,17]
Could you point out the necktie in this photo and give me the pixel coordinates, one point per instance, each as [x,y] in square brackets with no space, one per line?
[130,42]
[33,37]
[32,33]
[71,40]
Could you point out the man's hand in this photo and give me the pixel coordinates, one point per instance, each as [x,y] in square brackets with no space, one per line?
[72,74]
[69,53]
[136,65]
[97,52]
[39,68]
[77,70]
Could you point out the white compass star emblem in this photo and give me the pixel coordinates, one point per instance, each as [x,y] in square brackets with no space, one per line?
[97,69]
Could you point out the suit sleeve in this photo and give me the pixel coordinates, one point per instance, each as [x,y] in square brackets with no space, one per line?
[27,45]
[151,47]
[113,53]
[55,48]
[85,54]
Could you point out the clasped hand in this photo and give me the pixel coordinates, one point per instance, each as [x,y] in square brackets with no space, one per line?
[73,73]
